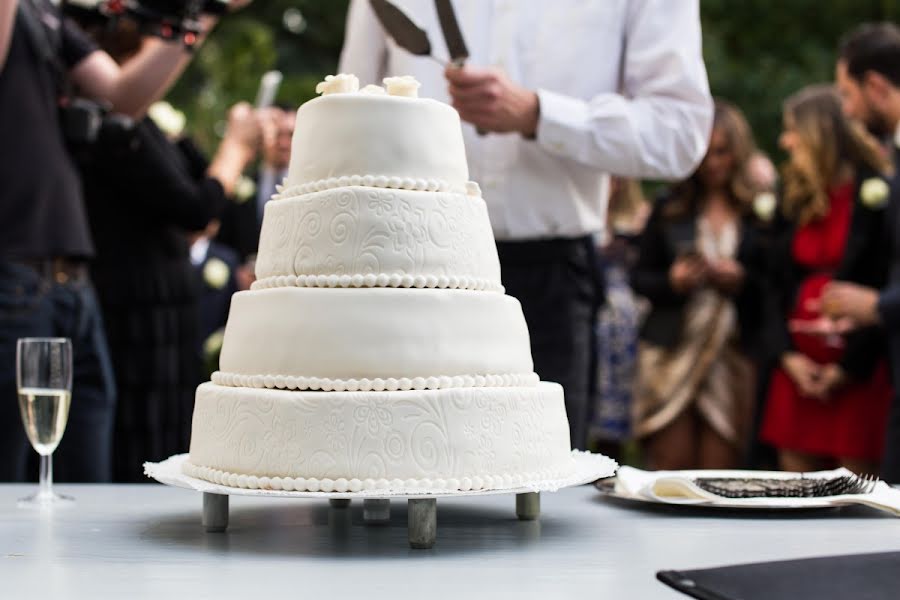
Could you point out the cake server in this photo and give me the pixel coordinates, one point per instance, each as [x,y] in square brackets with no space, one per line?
[402,30]
[456,45]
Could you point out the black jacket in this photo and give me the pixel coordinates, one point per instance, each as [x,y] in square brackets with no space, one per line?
[241,226]
[663,239]
[143,195]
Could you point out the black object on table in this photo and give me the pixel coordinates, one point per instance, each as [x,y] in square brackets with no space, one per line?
[849,577]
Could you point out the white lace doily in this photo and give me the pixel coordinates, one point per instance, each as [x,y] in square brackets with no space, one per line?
[588,467]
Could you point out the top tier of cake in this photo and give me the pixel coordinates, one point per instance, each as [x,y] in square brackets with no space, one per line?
[377,195]
[414,141]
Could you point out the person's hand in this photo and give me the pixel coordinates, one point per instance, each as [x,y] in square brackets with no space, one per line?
[235,5]
[841,299]
[831,378]
[688,273]
[245,275]
[243,126]
[488,99]
[727,275]
[823,326]
[805,373]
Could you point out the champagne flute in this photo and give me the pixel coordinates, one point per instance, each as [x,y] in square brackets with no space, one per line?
[44,382]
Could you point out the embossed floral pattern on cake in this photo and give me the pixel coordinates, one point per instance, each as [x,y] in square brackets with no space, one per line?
[452,435]
[400,235]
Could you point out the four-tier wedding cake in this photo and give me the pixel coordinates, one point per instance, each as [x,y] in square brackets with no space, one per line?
[377,350]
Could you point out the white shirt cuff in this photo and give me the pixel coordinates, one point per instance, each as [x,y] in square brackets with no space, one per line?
[560,124]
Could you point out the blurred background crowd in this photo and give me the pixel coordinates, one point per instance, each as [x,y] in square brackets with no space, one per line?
[731,305]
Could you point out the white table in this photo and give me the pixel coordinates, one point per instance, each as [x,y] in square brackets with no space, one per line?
[145,541]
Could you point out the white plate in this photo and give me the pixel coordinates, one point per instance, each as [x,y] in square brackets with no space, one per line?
[607,488]
[588,468]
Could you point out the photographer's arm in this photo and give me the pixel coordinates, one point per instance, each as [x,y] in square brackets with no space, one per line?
[145,78]
[7,22]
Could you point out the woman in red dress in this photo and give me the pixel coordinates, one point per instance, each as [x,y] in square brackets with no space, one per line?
[828,399]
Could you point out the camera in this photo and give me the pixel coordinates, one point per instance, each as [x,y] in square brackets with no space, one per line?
[166,19]
[85,123]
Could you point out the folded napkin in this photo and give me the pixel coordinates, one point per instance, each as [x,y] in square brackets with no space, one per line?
[856,576]
[677,487]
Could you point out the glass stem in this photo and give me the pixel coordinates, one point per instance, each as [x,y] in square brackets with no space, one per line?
[46,478]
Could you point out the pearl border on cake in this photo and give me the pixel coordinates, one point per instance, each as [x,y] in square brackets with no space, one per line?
[343,485]
[378,181]
[390,384]
[371,280]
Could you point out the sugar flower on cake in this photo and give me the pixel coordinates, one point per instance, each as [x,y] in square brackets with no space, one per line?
[342,83]
[874,193]
[375,90]
[403,85]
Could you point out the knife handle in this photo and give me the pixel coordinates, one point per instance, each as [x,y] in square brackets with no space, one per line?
[458,63]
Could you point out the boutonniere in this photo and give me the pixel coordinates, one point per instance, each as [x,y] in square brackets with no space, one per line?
[874,193]
[764,206]
[213,344]
[169,120]
[244,189]
[216,273]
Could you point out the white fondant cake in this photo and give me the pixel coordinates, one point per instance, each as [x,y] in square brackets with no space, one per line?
[377,350]
[355,134]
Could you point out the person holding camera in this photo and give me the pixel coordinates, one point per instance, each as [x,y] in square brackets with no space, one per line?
[145,282]
[45,240]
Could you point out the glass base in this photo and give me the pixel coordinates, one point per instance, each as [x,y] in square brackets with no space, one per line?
[39,500]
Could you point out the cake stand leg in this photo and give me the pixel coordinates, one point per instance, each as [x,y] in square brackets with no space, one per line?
[339,502]
[215,512]
[422,523]
[376,510]
[528,506]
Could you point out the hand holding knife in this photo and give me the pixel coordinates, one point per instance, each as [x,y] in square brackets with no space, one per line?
[509,107]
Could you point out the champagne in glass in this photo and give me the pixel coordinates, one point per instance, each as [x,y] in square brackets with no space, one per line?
[44,378]
[44,412]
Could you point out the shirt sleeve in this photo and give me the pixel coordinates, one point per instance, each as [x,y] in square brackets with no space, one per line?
[659,125]
[889,307]
[76,45]
[365,45]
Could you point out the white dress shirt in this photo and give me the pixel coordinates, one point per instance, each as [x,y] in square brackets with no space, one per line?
[622,89]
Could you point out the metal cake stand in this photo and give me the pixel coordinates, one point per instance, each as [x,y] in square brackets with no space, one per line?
[422,506]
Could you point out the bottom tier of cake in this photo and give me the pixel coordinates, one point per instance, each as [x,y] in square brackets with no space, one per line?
[446,439]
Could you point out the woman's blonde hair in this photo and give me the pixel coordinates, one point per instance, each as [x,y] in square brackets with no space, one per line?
[625,203]
[729,119]
[830,144]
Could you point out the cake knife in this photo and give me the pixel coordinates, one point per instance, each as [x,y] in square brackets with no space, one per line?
[402,30]
[414,39]
[456,45]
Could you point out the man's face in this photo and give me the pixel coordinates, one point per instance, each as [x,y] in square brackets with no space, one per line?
[859,100]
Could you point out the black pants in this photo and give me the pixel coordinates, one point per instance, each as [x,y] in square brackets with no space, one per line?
[34,305]
[558,284]
[890,463]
